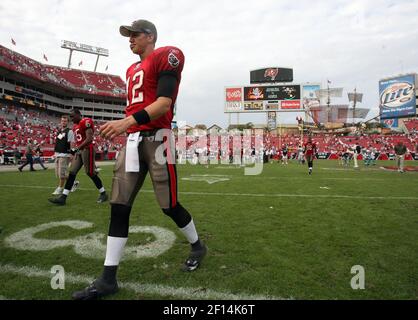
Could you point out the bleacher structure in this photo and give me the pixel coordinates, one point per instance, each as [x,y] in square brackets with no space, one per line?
[58,89]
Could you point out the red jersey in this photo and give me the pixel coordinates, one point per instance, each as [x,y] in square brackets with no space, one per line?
[310,148]
[80,130]
[142,80]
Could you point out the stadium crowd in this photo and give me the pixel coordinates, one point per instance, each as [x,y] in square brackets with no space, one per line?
[18,124]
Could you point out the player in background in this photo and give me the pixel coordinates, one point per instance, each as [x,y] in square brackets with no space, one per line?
[301,156]
[84,154]
[38,155]
[153,84]
[357,152]
[63,140]
[285,153]
[310,151]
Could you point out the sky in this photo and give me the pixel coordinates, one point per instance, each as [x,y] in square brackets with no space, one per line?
[352,43]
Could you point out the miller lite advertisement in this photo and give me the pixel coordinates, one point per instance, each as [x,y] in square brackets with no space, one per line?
[397,97]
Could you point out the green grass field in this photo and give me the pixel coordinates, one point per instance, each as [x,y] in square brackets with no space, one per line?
[282,235]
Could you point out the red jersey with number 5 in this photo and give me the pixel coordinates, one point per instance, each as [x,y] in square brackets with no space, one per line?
[80,130]
[310,148]
[142,80]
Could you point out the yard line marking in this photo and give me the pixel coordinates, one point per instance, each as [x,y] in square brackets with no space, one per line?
[306,178]
[283,195]
[141,288]
[268,195]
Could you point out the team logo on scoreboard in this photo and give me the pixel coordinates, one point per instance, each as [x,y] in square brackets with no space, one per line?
[397,94]
[271,73]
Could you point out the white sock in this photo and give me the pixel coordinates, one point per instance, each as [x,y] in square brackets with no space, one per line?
[102,189]
[66,192]
[114,250]
[190,232]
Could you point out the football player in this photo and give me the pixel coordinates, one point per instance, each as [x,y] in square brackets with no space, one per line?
[152,87]
[310,151]
[84,154]
[285,152]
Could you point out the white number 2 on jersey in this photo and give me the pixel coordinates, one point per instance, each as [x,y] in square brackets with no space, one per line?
[136,96]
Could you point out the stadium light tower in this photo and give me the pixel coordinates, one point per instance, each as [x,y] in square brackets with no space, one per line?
[74,46]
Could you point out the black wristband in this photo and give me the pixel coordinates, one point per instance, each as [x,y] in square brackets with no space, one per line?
[141,117]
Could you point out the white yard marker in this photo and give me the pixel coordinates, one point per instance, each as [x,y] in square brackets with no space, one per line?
[141,288]
[209,178]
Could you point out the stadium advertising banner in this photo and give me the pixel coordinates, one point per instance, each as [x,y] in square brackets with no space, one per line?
[290,92]
[253,106]
[291,104]
[309,98]
[323,155]
[262,98]
[390,123]
[397,97]
[28,92]
[308,91]
[271,105]
[233,99]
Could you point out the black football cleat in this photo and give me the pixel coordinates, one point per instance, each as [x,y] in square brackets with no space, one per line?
[195,258]
[60,201]
[97,289]
[102,198]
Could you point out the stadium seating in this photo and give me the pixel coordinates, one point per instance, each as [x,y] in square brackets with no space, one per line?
[42,128]
[17,125]
[412,125]
[77,80]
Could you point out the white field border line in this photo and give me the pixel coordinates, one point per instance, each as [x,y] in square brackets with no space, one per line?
[352,169]
[268,195]
[139,288]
